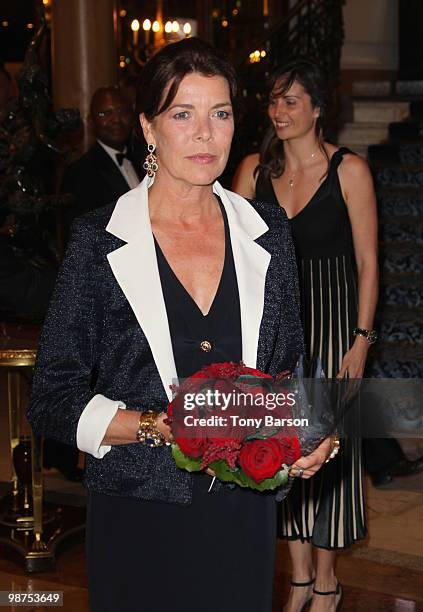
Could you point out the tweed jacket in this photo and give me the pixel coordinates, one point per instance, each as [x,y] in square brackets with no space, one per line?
[106,339]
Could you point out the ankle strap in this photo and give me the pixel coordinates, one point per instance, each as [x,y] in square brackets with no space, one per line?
[335,592]
[303,584]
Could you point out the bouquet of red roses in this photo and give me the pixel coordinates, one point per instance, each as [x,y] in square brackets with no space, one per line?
[220,420]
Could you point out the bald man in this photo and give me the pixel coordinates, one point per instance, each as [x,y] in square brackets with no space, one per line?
[104,173]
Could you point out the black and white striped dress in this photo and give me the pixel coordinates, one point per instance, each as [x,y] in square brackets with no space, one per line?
[328,509]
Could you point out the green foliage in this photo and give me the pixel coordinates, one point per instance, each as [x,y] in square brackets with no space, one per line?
[225,474]
[185,463]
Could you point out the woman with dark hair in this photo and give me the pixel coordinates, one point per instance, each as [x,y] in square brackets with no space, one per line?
[328,195]
[153,288]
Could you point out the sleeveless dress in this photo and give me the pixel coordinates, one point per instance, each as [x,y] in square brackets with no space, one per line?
[217,554]
[328,509]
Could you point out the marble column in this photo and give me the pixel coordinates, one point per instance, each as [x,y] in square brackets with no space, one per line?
[371,35]
[204,20]
[276,10]
[84,52]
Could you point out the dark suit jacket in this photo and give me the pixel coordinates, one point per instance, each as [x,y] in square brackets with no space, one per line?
[94,180]
[106,336]
[25,287]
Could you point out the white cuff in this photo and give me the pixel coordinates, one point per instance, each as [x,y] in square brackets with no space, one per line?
[93,424]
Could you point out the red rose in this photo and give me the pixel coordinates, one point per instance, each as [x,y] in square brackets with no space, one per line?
[261,459]
[253,372]
[192,447]
[291,448]
[199,374]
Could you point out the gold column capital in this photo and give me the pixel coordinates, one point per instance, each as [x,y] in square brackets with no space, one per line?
[17,358]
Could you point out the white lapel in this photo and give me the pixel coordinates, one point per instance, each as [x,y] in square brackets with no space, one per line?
[251,264]
[135,268]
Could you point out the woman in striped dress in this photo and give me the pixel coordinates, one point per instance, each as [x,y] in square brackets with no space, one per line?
[328,195]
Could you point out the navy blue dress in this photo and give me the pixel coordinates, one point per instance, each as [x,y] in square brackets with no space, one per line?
[216,554]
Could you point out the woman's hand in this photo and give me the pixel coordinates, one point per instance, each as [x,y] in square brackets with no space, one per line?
[355,359]
[162,427]
[313,462]
[124,426]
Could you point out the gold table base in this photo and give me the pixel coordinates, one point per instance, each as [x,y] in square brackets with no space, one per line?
[62,526]
[32,536]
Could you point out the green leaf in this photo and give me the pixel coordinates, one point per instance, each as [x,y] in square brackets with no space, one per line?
[223,471]
[259,381]
[248,377]
[239,477]
[225,474]
[185,463]
[262,436]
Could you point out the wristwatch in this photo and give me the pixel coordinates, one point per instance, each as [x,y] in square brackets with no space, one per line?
[369,334]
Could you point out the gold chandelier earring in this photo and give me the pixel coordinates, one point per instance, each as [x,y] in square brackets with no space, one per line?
[150,165]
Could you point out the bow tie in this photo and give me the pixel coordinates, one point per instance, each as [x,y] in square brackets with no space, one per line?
[120,157]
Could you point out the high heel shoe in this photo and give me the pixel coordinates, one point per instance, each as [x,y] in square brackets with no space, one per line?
[336,592]
[304,584]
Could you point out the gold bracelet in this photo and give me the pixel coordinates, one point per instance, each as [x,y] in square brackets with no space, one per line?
[336,445]
[147,432]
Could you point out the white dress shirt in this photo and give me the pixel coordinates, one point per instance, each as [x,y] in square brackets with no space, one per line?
[126,169]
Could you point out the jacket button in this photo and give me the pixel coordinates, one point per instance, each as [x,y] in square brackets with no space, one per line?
[206,346]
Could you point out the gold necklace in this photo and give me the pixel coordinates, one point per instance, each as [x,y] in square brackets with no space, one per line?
[291,181]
